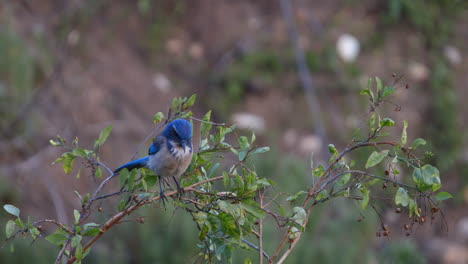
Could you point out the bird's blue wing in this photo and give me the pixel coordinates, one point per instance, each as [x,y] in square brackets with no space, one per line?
[134,164]
[156,146]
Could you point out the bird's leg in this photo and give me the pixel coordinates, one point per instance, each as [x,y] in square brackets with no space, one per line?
[161,192]
[180,191]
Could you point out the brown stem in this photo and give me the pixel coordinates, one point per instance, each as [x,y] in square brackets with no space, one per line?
[62,251]
[116,218]
[311,193]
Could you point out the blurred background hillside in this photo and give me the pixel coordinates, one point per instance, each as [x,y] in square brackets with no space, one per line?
[72,67]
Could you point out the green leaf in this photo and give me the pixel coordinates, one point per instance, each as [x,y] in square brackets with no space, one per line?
[151,180]
[131,179]
[443,196]
[34,232]
[375,158]
[91,232]
[67,162]
[189,102]
[427,178]
[404,136]
[368,90]
[388,90]
[12,210]
[204,126]
[19,223]
[386,122]
[299,215]
[200,217]
[98,173]
[344,179]
[243,143]
[262,182]
[295,196]
[158,117]
[332,149]
[58,238]
[121,205]
[79,152]
[365,198]
[252,140]
[260,150]
[321,195]
[79,252]
[212,170]
[76,214]
[318,172]
[311,160]
[379,84]
[55,143]
[226,179]
[253,208]
[413,208]
[76,241]
[418,142]
[123,176]
[372,120]
[402,197]
[102,137]
[10,228]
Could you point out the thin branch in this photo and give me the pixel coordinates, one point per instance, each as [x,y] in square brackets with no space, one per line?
[116,218]
[62,251]
[207,122]
[260,230]
[64,227]
[263,253]
[311,193]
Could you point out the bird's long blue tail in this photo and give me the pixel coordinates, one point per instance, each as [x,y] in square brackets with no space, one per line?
[134,164]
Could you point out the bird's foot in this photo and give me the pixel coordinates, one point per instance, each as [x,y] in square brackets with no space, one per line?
[180,192]
[163,199]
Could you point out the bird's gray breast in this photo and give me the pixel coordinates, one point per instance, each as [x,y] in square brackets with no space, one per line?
[170,162]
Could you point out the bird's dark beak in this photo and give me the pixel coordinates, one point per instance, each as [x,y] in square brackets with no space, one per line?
[183,143]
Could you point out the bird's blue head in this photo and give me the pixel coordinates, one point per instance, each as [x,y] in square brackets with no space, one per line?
[179,131]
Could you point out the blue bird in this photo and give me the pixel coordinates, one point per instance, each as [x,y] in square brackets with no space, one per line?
[169,155]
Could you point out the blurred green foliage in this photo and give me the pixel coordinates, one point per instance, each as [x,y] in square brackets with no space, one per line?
[18,71]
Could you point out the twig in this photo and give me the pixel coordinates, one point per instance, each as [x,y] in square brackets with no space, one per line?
[116,218]
[207,122]
[262,253]
[64,227]
[260,229]
[311,193]
[60,255]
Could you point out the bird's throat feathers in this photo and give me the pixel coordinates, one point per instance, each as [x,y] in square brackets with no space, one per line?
[178,151]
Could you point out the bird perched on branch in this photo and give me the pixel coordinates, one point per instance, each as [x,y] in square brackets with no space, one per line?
[169,155]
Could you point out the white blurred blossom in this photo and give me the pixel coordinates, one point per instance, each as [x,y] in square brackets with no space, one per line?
[249,121]
[348,47]
[161,82]
[453,55]
[418,71]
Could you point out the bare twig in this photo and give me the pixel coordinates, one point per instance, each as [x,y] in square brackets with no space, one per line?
[117,218]
[206,122]
[62,251]
[260,229]
[313,191]
[262,253]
